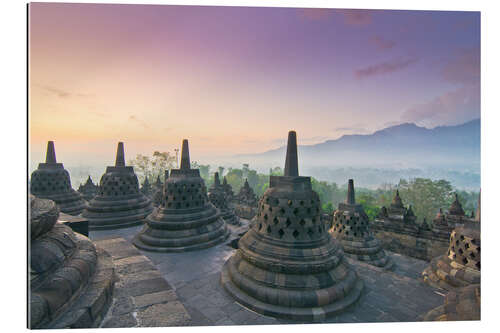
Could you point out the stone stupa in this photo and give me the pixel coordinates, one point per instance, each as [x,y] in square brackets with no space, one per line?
[158,193]
[459,272]
[217,196]
[228,190]
[70,280]
[52,181]
[185,220]
[119,203]
[88,190]
[246,195]
[461,265]
[351,227]
[146,187]
[287,264]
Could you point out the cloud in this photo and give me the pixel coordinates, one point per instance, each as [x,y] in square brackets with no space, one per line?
[138,121]
[356,16]
[384,68]
[451,108]
[464,67]
[314,14]
[458,105]
[351,129]
[382,43]
[60,92]
[55,91]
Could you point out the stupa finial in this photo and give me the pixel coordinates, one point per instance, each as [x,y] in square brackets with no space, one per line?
[351,200]
[50,157]
[291,162]
[120,155]
[216,179]
[185,161]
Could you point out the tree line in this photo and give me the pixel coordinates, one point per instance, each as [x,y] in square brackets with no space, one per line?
[426,196]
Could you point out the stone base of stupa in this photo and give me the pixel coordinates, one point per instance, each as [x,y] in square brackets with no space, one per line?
[368,251]
[103,213]
[230,217]
[446,274]
[462,304]
[79,292]
[70,203]
[180,232]
[290,303]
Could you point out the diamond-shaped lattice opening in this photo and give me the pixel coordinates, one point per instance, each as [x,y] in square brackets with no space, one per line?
[288,222]
[460,251]
[282,211]
[295,234]
[290,203]
[462,237]
[465,261]
[302,202]
[276,221]
[281,233]
[295,211]
[310,232]
[268,229]
[302,222]
[320,230]
[466,245]
[260,226]
[472,255]
[265,217]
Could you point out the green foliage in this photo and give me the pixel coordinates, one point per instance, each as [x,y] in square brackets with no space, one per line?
[426,196]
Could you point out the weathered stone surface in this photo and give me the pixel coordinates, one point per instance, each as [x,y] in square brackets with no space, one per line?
[164,315]
[351,227]
[218,197]
[118,203]
[185,220]
[287,265]
[461,265]
[461,304]
[154,298]
[71,281]
[52,181]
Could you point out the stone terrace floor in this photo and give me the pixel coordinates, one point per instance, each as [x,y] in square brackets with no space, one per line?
[398,295]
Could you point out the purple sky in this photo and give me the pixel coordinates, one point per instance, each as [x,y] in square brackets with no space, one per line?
[236,79]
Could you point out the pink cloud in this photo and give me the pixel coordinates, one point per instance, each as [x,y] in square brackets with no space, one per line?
[453,107]
[384,68]
[382,43]
[356,16]
[464,68]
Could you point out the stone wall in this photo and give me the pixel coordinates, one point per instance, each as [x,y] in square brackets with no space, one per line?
[423,245]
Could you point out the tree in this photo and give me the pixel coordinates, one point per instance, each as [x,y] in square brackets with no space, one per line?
[426,196]
[153,166]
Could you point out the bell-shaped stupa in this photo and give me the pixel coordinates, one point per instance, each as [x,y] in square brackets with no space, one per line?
[351,227]
[246,195]
[185,220]
[228,189]
[287,264]
[217,196]
[70,280]
[88,190]
[461,265]
[146,187]
[158,193]
[119,203]
[52,181]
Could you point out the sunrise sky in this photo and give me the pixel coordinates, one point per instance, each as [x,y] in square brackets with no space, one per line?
[236,79]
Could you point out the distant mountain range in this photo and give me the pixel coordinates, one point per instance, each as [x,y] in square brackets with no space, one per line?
[402,146]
